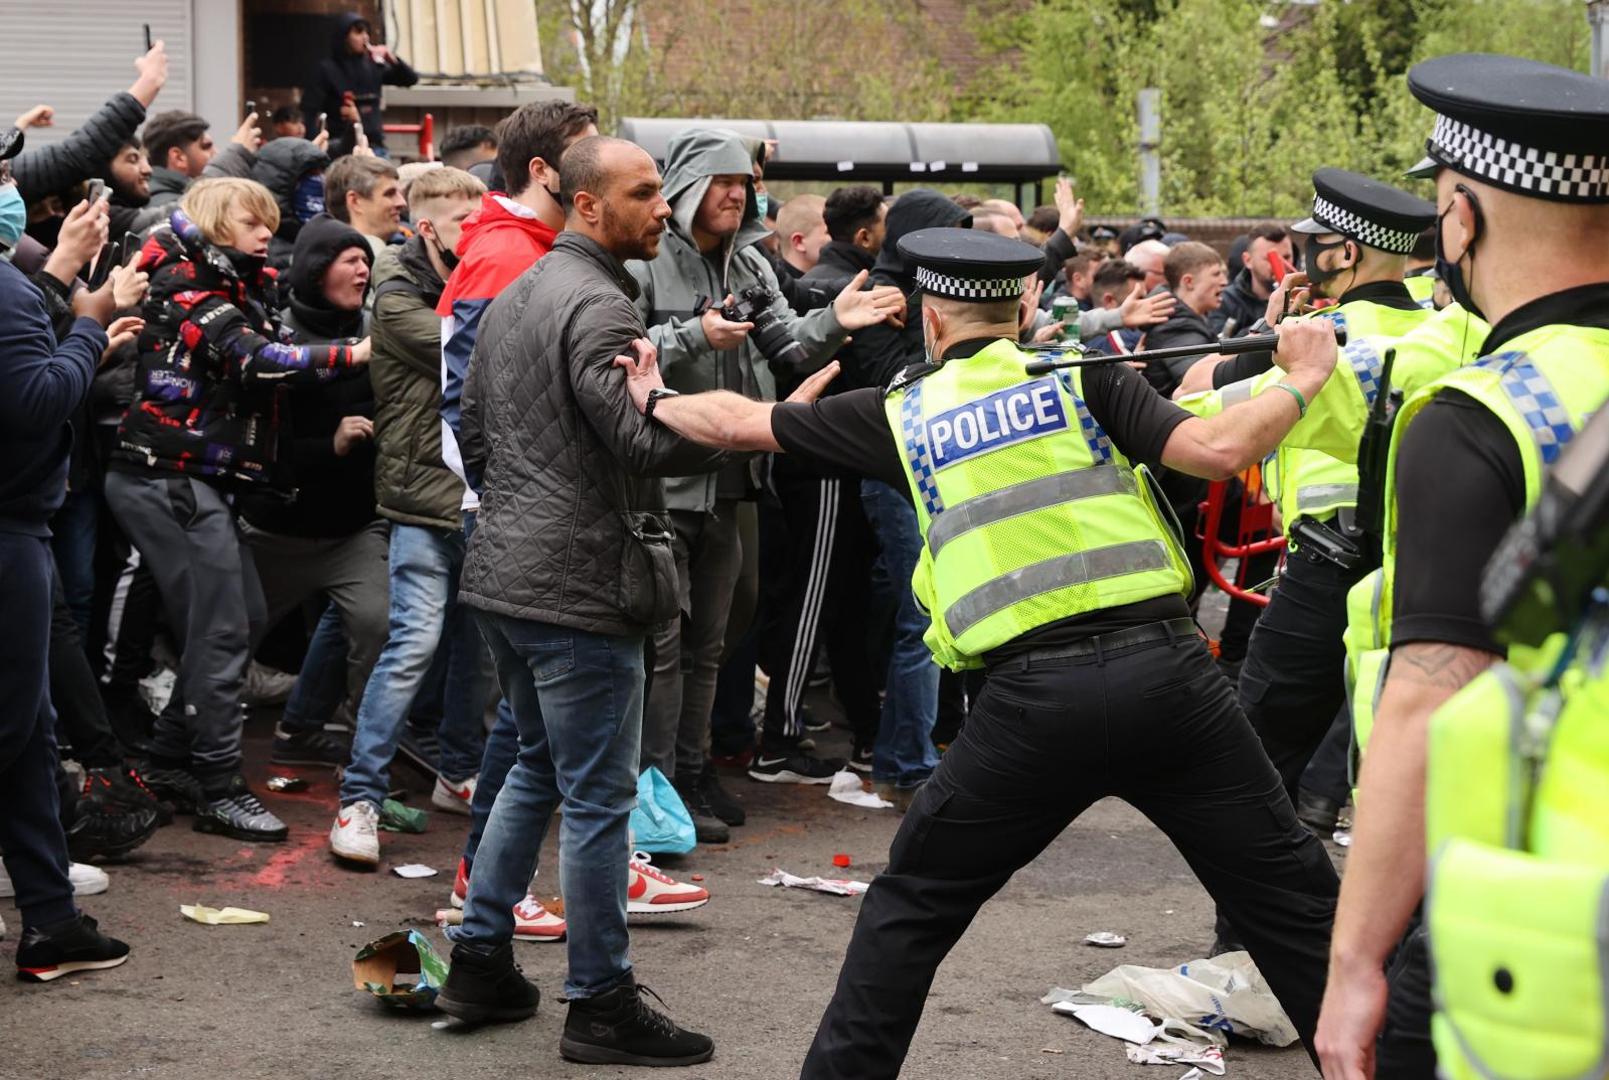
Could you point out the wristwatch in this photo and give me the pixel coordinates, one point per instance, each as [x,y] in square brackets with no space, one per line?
[653,399]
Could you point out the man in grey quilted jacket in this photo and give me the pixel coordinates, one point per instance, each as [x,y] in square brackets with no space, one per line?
[708,254]
[569,568]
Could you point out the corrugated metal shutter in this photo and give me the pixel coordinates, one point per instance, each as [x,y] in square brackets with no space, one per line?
[74,54]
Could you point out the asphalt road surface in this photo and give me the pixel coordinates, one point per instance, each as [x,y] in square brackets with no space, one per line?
[754,968]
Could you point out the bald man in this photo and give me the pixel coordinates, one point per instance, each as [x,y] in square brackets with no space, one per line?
[802,231]
[1149,256]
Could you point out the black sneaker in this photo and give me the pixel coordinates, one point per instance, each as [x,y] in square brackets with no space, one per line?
[707,828]
[486,987]
[622,1028]
[860,759]
[307,748]
[49,952]
[121,787]
[176,787]
[792,768]
[236,812]
[105,831]
[720,801]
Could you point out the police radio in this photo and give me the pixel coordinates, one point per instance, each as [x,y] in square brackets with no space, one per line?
[1542,575]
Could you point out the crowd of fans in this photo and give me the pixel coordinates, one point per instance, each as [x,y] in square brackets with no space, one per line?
[275,464]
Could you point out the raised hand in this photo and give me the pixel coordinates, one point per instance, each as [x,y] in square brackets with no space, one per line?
[1140,310]
[858,308]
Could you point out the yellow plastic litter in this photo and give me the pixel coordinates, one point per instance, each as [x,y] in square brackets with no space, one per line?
[229,916]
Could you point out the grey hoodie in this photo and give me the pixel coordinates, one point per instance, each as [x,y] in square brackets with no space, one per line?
[672,283]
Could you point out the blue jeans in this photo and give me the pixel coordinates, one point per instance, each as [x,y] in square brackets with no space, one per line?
[577,699]
[73,531]
[321,682]
[903,754]
[424,565]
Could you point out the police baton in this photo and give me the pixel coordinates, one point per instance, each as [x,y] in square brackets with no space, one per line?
[1082,358]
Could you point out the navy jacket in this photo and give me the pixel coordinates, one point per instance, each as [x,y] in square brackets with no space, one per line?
[42,384]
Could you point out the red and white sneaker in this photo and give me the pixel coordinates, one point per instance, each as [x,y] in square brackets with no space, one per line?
[653,892]
[454,798]
[460,885]
[533,922]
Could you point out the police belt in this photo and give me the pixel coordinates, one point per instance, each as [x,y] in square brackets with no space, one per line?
[1102,646]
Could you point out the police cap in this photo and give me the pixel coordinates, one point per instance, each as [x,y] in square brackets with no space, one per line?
[960,264]
[1362,208]
[1521,125]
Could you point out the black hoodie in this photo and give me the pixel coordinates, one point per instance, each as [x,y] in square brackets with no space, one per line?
[878,353]
[310,316]
[345,71]
[279,167]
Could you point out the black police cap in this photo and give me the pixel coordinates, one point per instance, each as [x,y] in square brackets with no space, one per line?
[1521,125]
[959,264]
[1366,210]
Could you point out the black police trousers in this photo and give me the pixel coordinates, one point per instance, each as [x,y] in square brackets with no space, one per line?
[1293,683]
[1153,724]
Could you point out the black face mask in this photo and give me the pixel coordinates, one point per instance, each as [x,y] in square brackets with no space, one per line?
[1318,277]
[445,254]
[1452,272]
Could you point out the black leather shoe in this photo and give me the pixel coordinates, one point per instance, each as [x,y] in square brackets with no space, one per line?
[487,987]
[720,801]
[622,1028]
[1318,813]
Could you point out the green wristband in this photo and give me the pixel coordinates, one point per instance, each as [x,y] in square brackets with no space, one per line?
[1301,402]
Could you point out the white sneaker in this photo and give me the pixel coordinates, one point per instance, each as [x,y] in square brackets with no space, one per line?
[355,836]
[533,922]
[651,891]
[87,880]
[454,798]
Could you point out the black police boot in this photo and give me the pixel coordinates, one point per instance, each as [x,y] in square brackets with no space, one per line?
[1318,813]
[487,987]
[622,1028]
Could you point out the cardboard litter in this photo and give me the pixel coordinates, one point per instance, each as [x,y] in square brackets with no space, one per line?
[401,969]
[229,916]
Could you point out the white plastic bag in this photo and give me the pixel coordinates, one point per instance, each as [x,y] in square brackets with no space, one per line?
[1223,995]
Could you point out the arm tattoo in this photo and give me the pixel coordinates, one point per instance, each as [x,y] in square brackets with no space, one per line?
[1449,667]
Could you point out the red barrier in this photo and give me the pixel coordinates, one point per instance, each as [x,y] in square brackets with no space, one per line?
[1255,534]
[425,129]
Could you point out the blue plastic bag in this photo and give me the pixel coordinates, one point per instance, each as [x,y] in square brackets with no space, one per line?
[660,824]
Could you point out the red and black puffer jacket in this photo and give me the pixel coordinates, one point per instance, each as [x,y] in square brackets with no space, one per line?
[212,358]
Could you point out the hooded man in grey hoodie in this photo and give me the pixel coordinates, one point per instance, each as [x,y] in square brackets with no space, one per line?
[709,254]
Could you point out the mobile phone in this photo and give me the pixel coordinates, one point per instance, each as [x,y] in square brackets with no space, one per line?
[147,37]
[251,107]
[322,117]
[97,189]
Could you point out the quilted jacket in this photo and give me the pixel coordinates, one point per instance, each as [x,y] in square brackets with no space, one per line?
[572,527]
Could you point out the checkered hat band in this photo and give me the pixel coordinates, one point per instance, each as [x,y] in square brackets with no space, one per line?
[1545,174]
[955,288]
[1361,229]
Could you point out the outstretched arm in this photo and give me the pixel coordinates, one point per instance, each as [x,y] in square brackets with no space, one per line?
[719,418]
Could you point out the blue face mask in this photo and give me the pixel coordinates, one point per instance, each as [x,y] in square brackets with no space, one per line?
[13,215]
[307,202]
[762,200]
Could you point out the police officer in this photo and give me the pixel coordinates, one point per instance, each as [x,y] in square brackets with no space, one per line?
[1522,186]
[1047,562]
[1292,684]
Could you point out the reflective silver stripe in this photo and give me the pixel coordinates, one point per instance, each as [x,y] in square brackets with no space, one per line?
[1079,568]
[1237,392]
[1326,493]
[1023,498]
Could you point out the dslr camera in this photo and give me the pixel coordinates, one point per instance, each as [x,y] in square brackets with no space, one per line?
[770,334]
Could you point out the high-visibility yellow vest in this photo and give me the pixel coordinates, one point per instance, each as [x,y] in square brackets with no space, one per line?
[1028,513]
[1422,287]
[1543,386]
[1517,907]
[1305,481]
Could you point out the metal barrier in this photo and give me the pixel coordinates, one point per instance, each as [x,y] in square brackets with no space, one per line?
[425,129]
[1255,534]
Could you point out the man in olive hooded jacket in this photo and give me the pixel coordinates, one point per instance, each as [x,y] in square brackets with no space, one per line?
[708,253]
